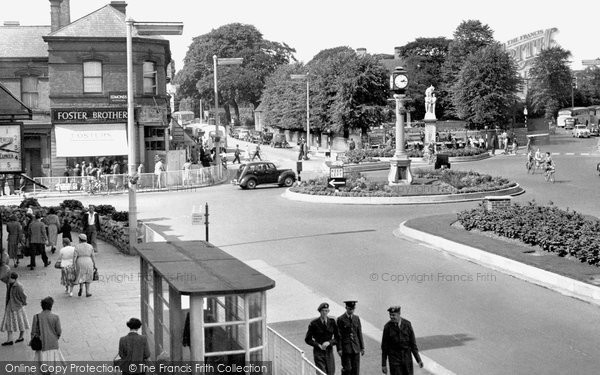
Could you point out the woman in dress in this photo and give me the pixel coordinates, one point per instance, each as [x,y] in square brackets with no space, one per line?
[53,224]
[15,238]
[46,325]
[85,263]
[67,277]
[15,318]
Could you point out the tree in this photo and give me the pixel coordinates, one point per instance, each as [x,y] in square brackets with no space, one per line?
[588,85]
[284,104]
[424,59]
[486,87]
[550,82]
[350,92]
[470,36]
[236,83]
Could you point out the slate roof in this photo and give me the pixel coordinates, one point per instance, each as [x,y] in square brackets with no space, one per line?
[23,41]
[106,22]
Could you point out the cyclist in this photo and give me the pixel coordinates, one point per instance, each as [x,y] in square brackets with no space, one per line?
[538,157]
[529,163]
[549,167]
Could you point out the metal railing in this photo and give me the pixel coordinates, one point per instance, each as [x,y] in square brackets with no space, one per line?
[286,357]
[118,183]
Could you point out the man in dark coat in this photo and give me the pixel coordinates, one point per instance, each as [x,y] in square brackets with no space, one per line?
[91,226]
[397,345]
[322,335]
[350,345]
[37,235]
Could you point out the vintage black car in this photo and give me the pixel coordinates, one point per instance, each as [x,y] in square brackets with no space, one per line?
[263,172]
[279,141]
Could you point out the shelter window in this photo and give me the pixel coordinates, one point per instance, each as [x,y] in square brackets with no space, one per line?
[150,78]
[92,77]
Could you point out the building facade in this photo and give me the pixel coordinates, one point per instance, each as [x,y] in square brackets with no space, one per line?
[74,77]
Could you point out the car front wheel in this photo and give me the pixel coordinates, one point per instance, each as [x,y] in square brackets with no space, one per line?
[251,184]
[288,181]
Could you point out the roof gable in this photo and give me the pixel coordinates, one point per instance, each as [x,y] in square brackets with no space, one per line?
[106,22]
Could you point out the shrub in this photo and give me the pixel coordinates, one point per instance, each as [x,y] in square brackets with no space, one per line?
[358,185]
[29,202]
[120,216]
[105,209]
[71,204]
[554,230]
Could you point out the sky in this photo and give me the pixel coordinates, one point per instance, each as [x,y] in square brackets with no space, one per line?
[377,25]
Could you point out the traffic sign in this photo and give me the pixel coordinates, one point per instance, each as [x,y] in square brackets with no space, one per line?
[336,182]
[336,172]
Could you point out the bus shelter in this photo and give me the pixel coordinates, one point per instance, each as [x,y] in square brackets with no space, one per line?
[199,303]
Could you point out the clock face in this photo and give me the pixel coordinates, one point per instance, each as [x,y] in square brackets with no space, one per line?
[401,81]
[11,158]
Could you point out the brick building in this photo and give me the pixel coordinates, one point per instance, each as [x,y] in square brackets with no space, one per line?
[74,77]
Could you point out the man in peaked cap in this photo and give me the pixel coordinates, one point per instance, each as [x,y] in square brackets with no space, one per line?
[322,335]
[397,345]
[351,345]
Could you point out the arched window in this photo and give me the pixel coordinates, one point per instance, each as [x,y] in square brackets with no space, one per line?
[92,77]
[150,78]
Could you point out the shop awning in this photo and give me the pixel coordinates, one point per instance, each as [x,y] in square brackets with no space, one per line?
[91,140]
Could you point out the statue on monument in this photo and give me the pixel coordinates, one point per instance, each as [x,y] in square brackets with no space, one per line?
[430,100]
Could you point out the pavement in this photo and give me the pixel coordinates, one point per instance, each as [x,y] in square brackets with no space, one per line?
[92,326]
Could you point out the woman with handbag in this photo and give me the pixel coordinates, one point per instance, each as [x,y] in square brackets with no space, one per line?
[46,328]
[65,263]
[53,225]
[15,238]
[85,264]
[15,318]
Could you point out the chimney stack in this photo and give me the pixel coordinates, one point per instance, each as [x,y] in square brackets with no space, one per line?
[65,13]
[54,15]
[119,5]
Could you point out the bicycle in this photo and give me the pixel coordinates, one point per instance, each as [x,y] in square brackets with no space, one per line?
[529,166]
[549,175]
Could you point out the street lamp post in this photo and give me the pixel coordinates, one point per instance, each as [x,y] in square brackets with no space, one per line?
[305,76]
[142,28]
[220,61]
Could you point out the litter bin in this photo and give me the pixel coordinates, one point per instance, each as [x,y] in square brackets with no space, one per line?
[441,161]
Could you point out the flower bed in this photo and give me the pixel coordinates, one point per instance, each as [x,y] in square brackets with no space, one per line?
[372,155]
[454,182]
[566,233]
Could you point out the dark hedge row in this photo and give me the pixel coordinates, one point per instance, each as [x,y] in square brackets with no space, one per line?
[554,230]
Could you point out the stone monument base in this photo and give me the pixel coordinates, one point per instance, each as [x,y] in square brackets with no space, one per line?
[400,173]
[430,133]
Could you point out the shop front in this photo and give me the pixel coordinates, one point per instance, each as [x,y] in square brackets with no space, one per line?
[96,136]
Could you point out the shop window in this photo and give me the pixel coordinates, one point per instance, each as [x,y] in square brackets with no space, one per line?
[92,77]
[150,78]
[29,91]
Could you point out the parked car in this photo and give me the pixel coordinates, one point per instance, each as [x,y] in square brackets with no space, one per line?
[279,141]
[242,134]
[262,172]
[594,130]
[581,131]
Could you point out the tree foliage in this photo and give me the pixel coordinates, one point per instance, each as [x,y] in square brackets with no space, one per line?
[486,87]
[424,58]
[236,83]
[346,92]
[469,37]
[588,86]
[550,82]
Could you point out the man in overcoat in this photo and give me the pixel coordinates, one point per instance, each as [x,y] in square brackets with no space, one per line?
[351,345]
[397,345]
[322,335]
